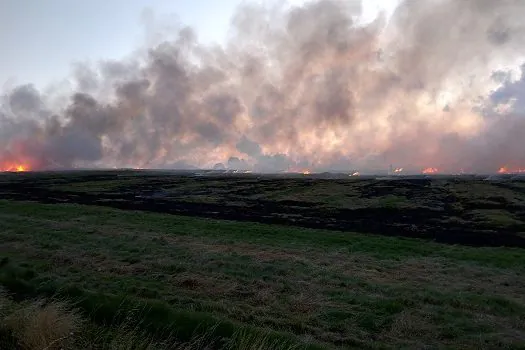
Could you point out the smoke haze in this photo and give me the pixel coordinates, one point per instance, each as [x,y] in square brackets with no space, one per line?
[440,84]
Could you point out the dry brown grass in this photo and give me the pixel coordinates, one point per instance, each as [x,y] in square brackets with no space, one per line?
[44,326]
[242,340]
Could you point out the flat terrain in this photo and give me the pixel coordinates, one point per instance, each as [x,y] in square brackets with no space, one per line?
[464,210]
[284,265]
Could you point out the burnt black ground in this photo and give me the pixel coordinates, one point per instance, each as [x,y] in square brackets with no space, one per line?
[461,210]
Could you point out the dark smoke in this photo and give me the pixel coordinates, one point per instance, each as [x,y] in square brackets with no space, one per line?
[306,87]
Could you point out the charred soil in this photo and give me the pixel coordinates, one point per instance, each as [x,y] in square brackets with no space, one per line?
[456,211]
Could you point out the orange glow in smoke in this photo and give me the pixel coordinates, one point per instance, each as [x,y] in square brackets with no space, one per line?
[303,171]
[506,170]
[14,167]
[430,171]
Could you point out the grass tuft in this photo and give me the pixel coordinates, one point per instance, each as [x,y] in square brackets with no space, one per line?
[43,325]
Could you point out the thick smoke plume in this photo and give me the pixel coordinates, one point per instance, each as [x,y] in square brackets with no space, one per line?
[438,85]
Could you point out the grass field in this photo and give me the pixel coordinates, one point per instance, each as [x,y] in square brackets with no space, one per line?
[187,277]
[463,210]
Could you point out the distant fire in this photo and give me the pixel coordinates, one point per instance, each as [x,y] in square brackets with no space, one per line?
[13,167]
[430,171]
[506,170]
[398,170]
[356,174]
[294,170]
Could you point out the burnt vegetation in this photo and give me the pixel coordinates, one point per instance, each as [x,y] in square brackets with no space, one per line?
[457,210]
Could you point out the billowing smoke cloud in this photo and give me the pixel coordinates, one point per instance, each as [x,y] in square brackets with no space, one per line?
[301,87]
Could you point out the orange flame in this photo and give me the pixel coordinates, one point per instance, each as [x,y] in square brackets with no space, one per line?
[506,170]
[430,171]
[14,167]
[303,171]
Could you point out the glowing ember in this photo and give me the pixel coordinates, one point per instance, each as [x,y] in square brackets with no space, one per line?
[430,171]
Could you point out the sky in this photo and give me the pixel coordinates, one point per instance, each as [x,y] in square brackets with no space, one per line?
[306,88]
[40,40]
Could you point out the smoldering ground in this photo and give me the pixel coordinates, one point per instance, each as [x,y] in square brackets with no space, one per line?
[439,84]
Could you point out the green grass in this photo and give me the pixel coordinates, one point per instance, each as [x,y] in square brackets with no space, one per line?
[55,324]
[495,217]
[326,287]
